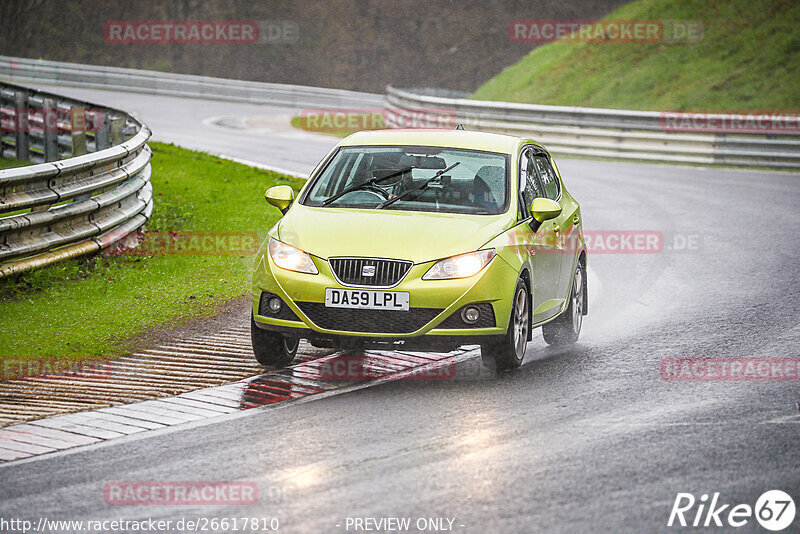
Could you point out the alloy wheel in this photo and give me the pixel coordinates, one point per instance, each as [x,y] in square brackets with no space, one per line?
[577,300]
[520,322]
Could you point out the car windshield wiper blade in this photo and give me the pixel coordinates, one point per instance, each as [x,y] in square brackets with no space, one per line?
[424,185]
[371,181]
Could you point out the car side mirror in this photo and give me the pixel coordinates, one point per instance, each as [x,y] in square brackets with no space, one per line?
[280,196]
[544,209]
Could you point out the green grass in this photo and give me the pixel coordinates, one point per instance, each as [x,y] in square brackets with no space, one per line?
[94,307]
[11,163]
[748,59]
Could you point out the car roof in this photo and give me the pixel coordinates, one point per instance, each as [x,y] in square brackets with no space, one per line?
[490,142]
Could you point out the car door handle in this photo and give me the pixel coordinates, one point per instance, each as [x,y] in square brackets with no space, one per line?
[556,228]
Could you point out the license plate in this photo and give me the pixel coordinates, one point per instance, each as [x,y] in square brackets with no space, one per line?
[366,300]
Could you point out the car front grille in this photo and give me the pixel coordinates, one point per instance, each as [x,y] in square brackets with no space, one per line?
[381,273]
[375,321]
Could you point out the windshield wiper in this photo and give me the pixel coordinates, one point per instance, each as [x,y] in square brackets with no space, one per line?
[424,185]
[371,181]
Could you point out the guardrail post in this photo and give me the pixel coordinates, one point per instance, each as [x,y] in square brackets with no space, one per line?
[50,124]
[102,132]
[77,121]
[21,123]
[115,130]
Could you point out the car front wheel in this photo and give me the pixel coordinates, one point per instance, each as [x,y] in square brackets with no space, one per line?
[272,348]
[510,350]
[566,328]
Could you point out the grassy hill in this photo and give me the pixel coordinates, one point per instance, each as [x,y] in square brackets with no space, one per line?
[747,59]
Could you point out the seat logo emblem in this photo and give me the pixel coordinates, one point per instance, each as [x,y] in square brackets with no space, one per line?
[368,270]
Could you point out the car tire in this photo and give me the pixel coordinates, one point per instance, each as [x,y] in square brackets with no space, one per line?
[566,328]
[272,348]
[509,352]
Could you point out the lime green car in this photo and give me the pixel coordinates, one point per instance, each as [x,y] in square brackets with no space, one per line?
[425,239]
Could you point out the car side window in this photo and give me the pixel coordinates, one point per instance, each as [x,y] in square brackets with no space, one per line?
[529,181]
[547,176]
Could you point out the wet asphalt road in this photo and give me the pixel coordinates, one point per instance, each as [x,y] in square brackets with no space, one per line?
[584,439]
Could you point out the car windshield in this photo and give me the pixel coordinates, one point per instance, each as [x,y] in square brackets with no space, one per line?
[367,177]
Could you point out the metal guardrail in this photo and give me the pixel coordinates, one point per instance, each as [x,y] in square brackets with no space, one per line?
[62,208]
[184,85]
[572,131]
[612,133]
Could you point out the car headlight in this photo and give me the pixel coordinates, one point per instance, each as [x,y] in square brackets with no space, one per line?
[291,258]
[461,266]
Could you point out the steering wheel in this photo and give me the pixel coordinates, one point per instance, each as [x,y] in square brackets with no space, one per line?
[367,191]
[376,189]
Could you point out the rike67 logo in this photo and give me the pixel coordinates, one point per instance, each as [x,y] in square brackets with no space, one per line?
[774,510]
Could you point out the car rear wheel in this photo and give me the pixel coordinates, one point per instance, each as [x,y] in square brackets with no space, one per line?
[272,348]
[510,350]
[566,327]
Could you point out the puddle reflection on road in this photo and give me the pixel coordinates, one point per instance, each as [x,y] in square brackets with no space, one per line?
[320,370]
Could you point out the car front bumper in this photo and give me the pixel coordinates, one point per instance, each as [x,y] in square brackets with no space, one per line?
[434,305]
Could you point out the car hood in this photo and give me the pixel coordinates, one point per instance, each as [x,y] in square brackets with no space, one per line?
[408,235]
